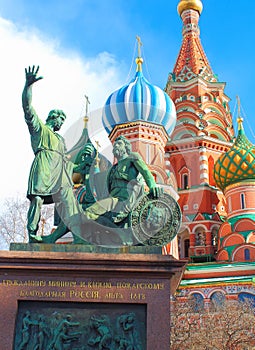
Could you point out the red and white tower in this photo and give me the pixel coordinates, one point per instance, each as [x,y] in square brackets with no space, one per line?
[203,132]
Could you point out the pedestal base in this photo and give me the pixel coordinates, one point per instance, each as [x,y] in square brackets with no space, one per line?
[78,300]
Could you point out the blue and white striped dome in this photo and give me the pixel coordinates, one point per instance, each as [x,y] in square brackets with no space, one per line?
[139,100]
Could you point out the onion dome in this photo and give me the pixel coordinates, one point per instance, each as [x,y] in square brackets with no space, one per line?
[189,5]
[83,140]
[139,100]
[238,164]
[85,145]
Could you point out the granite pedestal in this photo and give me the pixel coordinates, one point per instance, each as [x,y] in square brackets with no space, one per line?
[86,300]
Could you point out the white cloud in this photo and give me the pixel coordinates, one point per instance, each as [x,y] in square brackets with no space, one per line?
[67,78]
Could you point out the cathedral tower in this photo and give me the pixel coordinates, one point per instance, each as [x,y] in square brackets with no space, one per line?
[203,132]
[235,175]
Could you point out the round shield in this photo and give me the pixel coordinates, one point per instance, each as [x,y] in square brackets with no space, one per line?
[155,221]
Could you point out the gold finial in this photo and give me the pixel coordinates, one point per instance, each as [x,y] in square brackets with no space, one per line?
[190,5]
[239,118]
[139,60]
[86,118]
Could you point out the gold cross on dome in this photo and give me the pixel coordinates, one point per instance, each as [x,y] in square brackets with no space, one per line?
[139,43]
[87,104]
[238,107]
[98,144]
[239,118]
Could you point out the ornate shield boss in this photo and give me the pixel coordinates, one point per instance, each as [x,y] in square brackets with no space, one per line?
[155,221]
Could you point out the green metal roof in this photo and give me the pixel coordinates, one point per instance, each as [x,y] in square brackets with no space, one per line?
[205,268]
[219,265]
[218,280]
[233,220]
[237,164]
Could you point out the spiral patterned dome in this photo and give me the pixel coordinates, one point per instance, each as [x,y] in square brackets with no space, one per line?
[139,100]
[238,163]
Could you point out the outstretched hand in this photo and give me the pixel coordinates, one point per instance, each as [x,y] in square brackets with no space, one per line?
[31,75]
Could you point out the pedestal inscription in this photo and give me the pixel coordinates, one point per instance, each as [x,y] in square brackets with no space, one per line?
[86,301]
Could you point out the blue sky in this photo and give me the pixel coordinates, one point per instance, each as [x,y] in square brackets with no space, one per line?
[93,26]
[87,47]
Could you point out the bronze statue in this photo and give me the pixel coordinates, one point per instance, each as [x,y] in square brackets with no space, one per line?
[114,219]
[125,184]
[84,191]
[50,175]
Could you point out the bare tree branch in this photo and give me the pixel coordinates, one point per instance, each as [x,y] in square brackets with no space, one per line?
[229,326]
[13,221]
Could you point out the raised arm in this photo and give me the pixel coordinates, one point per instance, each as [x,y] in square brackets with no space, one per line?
[31,78]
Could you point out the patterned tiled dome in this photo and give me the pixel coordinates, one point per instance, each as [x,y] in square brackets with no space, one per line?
[139,100]
[238,163]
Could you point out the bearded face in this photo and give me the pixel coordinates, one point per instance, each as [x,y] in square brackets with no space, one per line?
[156,218]
[57,122]
[119,149]
[56,119]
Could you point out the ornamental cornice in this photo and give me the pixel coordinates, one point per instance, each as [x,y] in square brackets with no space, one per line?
[148,125]
[248,182]
[183,85]
[197,141]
